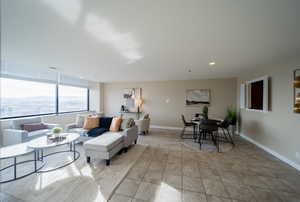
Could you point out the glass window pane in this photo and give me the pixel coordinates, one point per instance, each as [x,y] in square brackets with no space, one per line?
[23,98]
[72,98]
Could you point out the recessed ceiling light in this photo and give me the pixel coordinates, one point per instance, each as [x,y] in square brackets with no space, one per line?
[212,63]
[189,70]
[52,68]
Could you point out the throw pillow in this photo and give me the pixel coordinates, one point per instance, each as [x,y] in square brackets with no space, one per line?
[80,120]
[115,124]
[127,123]
[29,127]
[91,122]
[95,132]
[105,122]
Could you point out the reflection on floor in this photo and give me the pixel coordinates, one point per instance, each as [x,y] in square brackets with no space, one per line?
[169,171]
[78,182]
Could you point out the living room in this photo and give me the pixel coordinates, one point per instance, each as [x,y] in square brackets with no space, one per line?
[150,101]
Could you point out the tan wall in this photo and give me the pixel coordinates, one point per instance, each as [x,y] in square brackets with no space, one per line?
[156,94]
[279,128]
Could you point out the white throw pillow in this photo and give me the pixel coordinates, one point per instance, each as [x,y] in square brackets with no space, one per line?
[80,120]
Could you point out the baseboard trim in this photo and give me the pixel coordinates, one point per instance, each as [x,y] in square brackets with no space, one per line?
[165,127]
[272,152]
[169,128]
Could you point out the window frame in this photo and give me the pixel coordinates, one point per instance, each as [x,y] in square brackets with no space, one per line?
[57,100]
[56,103]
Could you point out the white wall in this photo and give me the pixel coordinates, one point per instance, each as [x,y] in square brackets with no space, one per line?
[278,129]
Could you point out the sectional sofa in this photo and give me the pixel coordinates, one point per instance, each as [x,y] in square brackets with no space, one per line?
[106,145]
[16,134]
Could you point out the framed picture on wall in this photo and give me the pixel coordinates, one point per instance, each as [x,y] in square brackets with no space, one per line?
[130,95]
[197,97]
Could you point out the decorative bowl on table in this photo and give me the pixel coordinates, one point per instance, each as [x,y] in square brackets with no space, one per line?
[56,135]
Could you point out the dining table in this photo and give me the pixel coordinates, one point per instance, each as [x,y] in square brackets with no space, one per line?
[205,127]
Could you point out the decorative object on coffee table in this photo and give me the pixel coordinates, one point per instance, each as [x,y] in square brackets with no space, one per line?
[56,131]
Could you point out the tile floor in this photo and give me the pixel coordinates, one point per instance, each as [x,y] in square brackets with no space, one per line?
[169,171]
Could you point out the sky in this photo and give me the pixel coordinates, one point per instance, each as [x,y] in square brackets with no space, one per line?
[12,88]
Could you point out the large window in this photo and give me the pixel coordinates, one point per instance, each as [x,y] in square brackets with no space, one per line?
[24,98]
[72,98]
[21,98]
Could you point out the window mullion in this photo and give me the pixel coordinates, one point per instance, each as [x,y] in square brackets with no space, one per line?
[57,99]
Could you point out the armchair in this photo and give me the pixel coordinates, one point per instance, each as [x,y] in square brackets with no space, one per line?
[143,124]
[15,134]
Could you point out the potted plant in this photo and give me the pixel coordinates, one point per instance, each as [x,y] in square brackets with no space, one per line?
[232,115]
[56,131]
[205,112]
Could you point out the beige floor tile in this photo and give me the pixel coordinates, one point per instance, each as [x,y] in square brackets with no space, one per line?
[142,163]
[208,173]
[254,181]
[173,181]
[193,184]
[157,166]
[264,195]
[136,173]
[120,198]
[231,177]
[286,196]
[189,196]
[147,191]
[211,198]
[167,193]
[174,168]
[190,170]
[239,192]
[138,200]
[215,187]
[153,177]
[128,187]
[275,184]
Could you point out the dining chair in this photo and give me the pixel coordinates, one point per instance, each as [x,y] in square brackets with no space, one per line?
[188,125]
[224,125]
[209,127]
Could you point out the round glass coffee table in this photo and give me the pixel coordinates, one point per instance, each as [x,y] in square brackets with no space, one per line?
[42,143]
[14,152]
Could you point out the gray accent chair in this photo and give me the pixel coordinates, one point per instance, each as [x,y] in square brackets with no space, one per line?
[15,134]
[143,124]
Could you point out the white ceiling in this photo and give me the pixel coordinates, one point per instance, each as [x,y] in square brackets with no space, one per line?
[141,40]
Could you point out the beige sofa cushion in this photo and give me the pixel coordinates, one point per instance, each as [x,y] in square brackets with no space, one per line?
[91,122]
[115,124]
